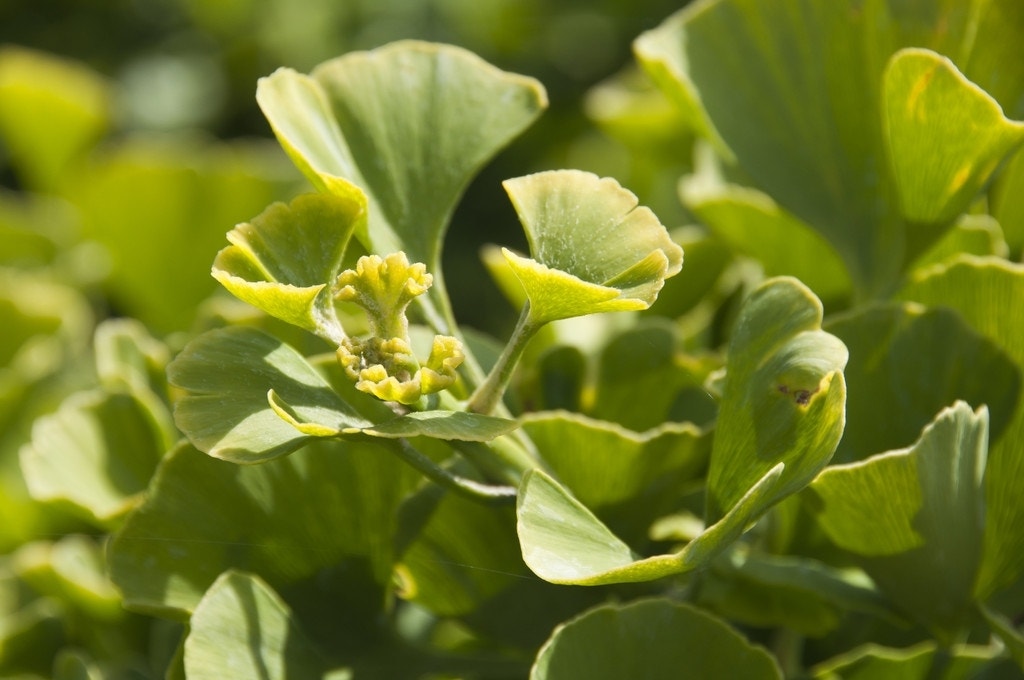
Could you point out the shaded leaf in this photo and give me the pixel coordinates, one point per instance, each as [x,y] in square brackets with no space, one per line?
[472,427]
[226,375]
[242,628]
[799,593]
[644,379]
[915,518]
[976,234]
[627,478]
[1005,205]
[72,571]
[874,662]
[464,555]
[755,225]
[127,355]
[908,362]
[650,638]
[313,525]
[1007,633]
[987,293]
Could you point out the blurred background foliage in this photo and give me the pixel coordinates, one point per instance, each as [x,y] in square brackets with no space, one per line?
[187,69]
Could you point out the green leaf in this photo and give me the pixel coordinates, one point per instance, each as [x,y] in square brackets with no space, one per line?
[414,162]
[449,425]
[561,373]
[226,375]
[645,379]
[159,207]
[986,292]
[72,664]
[286,260]
[462,556]
[976,234]
[707,258]
[96,453]
[650,638]
[908,362]
[755,225]
[805,595]
[128,356]
[593,248]
[1004,202]
[242,628]
[1007,632]
[51,111]
[627,478]
[563,542]
[321,515]
[803,81]
[874,662]
[945,136]
[45,324]
[915,518]
[72,571]
[784,396]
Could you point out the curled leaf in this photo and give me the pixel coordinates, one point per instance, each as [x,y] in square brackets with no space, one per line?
[283,260]
[593,248]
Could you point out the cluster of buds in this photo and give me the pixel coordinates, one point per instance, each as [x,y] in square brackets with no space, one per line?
[383,364]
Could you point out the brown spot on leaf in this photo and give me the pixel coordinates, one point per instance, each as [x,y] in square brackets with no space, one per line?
[801,397]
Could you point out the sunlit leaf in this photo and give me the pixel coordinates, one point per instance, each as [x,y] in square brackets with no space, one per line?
[874,662]
[825,147]
[414,162]
[564,542]
[287,259]
[593,248]
[944,135]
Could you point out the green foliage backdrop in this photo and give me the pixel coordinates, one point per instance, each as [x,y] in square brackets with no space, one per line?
[759,415]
